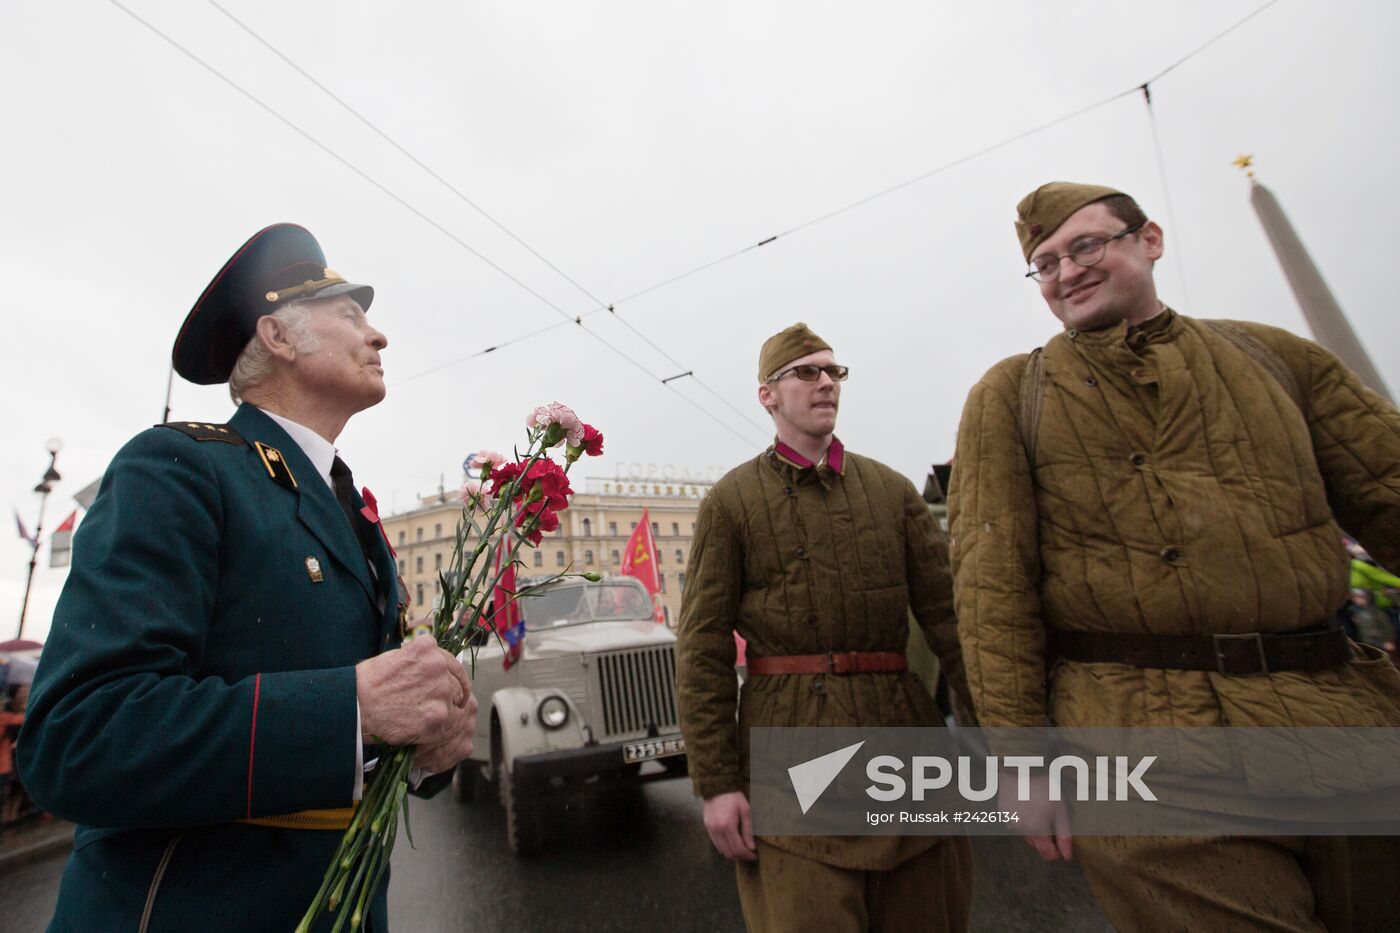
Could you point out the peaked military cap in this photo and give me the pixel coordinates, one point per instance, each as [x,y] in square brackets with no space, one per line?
[786,345]
[1041,212]
[278,265]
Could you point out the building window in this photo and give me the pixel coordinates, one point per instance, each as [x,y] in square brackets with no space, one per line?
[420,594]
[680,556]
[634,526]
[437,530]
[437,561]
[676,529]
[660,556]
[681,581]
[402,534]
[661,578]
[656,529]
[539,558]
[617,560]
[420,533]
[588,558]
[419,562]
[558,558]
[587,528]
[612,529]
[666,614]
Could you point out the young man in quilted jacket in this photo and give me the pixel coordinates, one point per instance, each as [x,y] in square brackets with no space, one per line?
[815,555]
[1142,484]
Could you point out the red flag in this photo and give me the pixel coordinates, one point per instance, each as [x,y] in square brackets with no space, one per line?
[506,617]
[61,542]
[639,560]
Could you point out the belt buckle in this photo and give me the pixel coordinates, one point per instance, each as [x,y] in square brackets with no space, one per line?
[852,665]
[1220,658]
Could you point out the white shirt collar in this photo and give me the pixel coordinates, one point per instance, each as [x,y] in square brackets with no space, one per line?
[318,450]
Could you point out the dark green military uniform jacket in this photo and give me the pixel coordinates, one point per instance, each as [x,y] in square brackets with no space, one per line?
[198,673]
[804,559]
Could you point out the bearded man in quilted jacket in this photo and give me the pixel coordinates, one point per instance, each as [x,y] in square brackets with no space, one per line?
[1139,487]
[816,555]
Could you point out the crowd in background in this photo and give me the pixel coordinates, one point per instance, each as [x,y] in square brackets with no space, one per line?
[15,804]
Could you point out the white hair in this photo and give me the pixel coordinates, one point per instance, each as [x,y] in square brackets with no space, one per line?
[253,364]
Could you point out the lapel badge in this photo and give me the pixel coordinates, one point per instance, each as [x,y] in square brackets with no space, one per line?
[276,465]
[313,570]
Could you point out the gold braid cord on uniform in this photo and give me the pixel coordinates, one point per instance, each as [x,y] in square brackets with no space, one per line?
[338,818]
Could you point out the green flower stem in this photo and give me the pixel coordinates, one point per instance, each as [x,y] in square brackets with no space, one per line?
[366,847]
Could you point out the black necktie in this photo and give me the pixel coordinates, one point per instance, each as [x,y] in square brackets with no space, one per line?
[343,481]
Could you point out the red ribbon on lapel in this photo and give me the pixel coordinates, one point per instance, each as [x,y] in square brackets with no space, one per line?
[371,514]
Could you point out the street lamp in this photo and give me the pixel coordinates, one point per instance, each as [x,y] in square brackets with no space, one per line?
[43,489]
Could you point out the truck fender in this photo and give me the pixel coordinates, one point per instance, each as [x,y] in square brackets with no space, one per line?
[515,709]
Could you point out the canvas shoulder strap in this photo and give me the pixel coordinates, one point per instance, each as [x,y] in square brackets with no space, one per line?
[1032,397]
[1033,378]
[1263,354]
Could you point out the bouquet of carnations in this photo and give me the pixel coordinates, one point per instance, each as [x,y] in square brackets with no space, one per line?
[507,504]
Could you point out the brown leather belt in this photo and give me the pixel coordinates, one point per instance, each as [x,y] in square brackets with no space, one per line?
[1311,649]
[834,662]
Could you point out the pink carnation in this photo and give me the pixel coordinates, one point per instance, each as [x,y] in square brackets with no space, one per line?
[473,492]
[488,457]
[554,413]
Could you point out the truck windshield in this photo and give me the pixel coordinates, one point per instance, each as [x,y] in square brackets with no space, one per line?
[572,605]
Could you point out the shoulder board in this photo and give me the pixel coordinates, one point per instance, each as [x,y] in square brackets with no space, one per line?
[276,465]
[206,432]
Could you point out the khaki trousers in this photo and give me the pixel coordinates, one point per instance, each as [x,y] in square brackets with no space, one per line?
[929,893]
[1171,883]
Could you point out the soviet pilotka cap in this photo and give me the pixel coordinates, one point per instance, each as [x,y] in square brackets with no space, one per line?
[786,345]
[278,265]
[1041,212]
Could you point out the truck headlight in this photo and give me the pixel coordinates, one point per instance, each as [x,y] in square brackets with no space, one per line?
[553,712]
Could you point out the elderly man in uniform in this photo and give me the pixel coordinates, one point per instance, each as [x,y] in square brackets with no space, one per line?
[227,642]
[1148,509]
[815,555]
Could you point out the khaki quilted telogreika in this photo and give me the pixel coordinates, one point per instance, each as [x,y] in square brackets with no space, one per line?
[809,561]
[1178,489]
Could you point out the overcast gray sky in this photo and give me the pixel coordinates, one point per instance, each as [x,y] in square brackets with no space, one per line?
[628,143]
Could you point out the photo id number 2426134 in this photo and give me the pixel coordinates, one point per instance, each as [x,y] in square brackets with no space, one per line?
[875,818]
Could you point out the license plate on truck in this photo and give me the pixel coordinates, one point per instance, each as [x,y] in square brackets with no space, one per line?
[652,748]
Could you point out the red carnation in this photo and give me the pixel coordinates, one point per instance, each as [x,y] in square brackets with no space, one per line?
[502,476]
[546,481]
[592,441]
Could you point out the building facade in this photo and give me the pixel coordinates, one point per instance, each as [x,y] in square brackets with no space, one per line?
[592,535]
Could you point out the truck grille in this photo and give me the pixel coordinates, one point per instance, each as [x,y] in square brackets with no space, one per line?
[639,690]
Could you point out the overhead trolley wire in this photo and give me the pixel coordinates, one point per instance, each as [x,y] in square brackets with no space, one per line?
[1146,89]
[1166,190]
[576,319]
[335,155]
[1208,43]
[393,142]
[986,150]
[598,303]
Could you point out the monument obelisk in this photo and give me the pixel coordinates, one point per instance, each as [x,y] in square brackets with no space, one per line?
[1324,316]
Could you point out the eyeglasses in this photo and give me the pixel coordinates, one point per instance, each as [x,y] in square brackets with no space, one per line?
[811,372]
[1085,251]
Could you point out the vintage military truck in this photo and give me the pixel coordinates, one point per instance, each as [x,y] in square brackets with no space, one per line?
[590,700]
